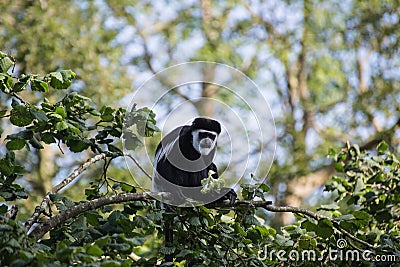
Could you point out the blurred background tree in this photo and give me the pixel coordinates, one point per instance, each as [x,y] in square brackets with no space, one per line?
[329,69]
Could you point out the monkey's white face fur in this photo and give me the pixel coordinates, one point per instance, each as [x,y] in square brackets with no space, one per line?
[204,141]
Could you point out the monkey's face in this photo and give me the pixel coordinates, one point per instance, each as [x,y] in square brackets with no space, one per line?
[204,141]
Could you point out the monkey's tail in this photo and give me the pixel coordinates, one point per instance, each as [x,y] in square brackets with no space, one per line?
[169,237]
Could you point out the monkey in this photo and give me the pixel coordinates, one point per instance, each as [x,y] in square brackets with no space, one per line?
[183,158]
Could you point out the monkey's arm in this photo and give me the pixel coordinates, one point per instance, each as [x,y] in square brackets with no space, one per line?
[228,193]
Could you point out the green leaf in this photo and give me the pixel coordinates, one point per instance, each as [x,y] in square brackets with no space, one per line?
[35,143]
[251,220]
[239,229]
[61,111]
[113,148]
[309,226]
[263,230]
[62,79]
[305,241]
[362,215]
[283,241]
[94,250]
[131,141]
[40,115]
[56,79]
[25,134]
[38,85]
[195,221]
[339,166]
[102,241]
[73,129]
[93,218]
[77,145]
[48,138]
[107,114]
[94,112]
[383,216]
[15,144]
[21,84]
[5,167]
[325,213]
[382,147]
[183,253]
[61,125]
[349,226]
[3,208]
[26,255]
[324,229]
[20,116]
[5,63]
[5,83]
[265,188]
[55,116]
[346,217]
[151,126]
[167,250]
[135,241]
[127,188]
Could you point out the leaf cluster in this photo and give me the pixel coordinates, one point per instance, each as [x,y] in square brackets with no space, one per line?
[72,122]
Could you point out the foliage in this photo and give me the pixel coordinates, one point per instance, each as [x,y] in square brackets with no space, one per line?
[368,194]
[131,233]
[72,121]
[211,184]
[328,68]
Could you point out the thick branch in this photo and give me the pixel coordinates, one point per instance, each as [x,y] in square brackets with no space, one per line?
[122,198]
[60,218]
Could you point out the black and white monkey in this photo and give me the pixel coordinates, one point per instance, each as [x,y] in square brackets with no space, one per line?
[183,158]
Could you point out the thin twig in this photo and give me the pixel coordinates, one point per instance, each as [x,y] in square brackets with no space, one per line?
[138,164]
[5,116]
[77,171]
[120,182]
[26,104]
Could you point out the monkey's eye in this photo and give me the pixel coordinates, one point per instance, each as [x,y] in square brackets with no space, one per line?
[203,135]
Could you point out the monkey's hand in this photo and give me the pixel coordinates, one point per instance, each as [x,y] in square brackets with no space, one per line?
[224,194]
[230,195]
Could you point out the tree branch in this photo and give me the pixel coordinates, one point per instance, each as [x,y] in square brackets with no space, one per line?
[12,213]
[138,164]
[26,104]
[310,214]
[45,202]
[60,218]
